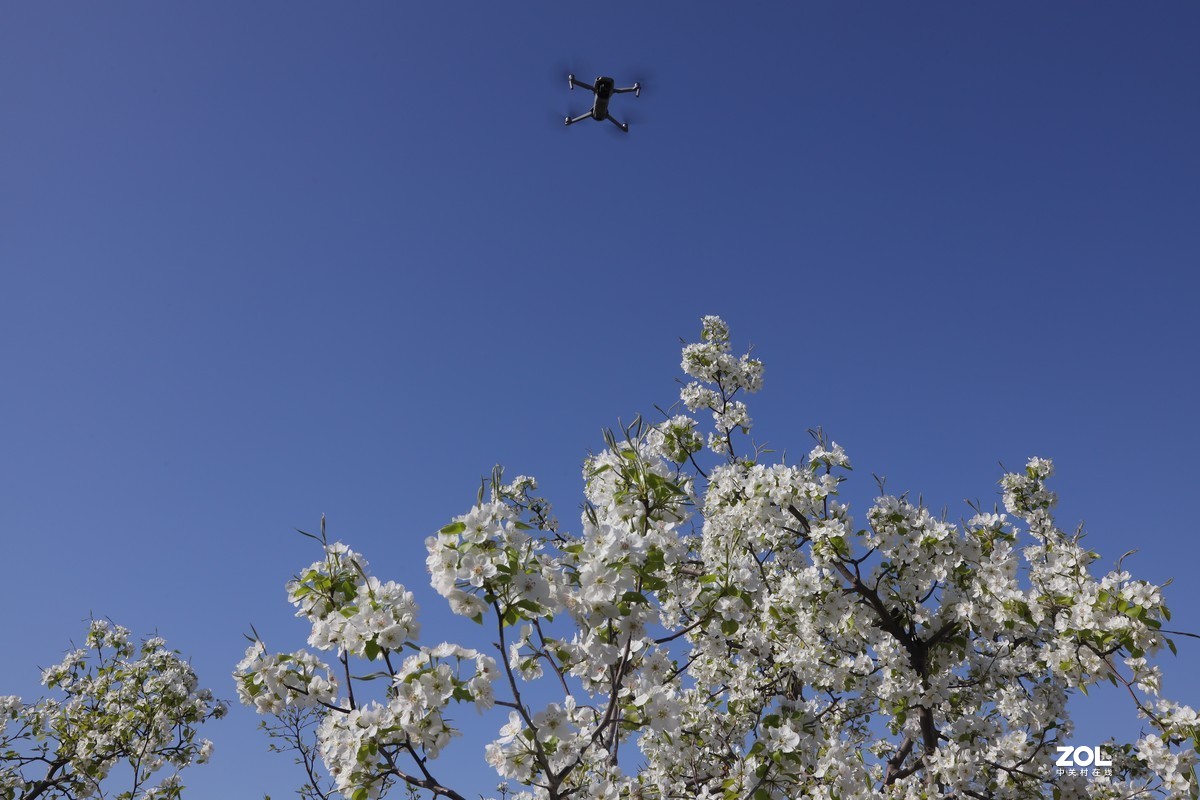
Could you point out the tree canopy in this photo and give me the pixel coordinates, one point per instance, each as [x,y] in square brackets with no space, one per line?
[720,625]
[131,708]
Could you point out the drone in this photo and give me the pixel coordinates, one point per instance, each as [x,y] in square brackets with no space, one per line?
[603,89]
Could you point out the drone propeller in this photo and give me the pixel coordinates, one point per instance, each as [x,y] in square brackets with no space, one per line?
[556,77]
[564,67]
[643,77]
[562,108]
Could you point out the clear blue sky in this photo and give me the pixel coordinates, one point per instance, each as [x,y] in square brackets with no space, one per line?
[262,261]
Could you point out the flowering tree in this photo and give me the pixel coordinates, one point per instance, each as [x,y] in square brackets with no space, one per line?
[727,620]
[121,703]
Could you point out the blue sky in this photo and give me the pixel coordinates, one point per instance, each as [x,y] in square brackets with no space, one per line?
[260,262]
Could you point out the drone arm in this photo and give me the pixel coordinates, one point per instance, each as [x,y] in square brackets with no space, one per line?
[614,121]
[574,83]
[580,118]
[636,89]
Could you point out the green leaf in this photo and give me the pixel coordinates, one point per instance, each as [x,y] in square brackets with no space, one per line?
[449,530]
[655,559]
[373,650]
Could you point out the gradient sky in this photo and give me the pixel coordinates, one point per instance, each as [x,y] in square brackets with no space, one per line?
[263,261]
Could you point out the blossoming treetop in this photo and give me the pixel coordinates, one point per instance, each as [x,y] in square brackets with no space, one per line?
[731,632]
[133,709]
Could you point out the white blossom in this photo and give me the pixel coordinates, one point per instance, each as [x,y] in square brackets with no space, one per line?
[735,623]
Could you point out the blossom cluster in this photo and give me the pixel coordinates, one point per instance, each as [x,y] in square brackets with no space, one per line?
[355,615]
[121,702]
[350,611]
[487,558]
[731,621]
[719,377]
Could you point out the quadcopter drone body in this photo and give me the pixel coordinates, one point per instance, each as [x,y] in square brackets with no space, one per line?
[603,90]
